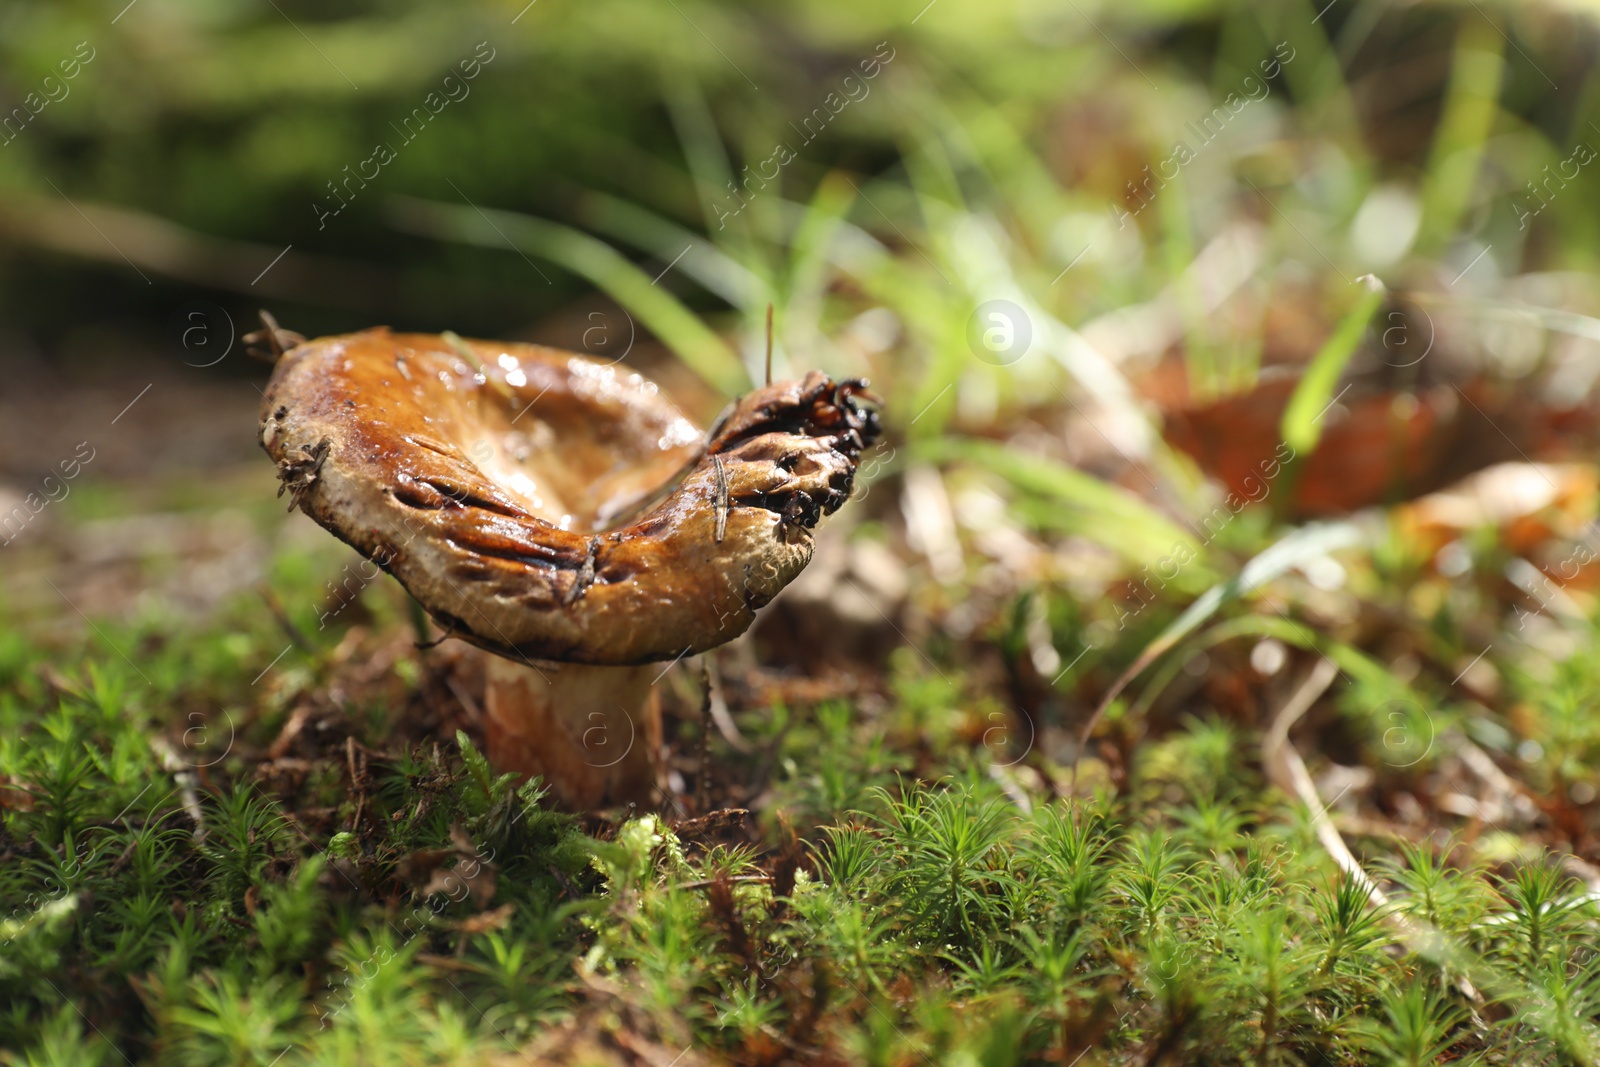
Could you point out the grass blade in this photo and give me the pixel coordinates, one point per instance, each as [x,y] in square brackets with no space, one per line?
[1112,517]
[1302,419]
[1299,546]
[655,308]
[714,269]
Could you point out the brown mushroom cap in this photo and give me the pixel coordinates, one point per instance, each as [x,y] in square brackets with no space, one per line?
[483,475]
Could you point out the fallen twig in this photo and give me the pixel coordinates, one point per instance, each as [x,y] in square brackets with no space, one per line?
[1288,772]
[186,779]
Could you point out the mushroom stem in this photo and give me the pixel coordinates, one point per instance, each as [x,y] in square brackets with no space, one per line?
[593,733]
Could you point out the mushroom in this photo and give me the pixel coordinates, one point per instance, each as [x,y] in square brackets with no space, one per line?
[561,514]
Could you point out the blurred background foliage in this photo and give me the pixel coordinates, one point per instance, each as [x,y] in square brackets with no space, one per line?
[227,121]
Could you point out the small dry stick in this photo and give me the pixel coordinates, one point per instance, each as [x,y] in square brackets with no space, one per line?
[286,624]
[277,338]
[724,721]
[464,698]
[702,787]
[184,775]
[358,778]
[722,498]
[738,879]
[1288,772]
[769,344]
